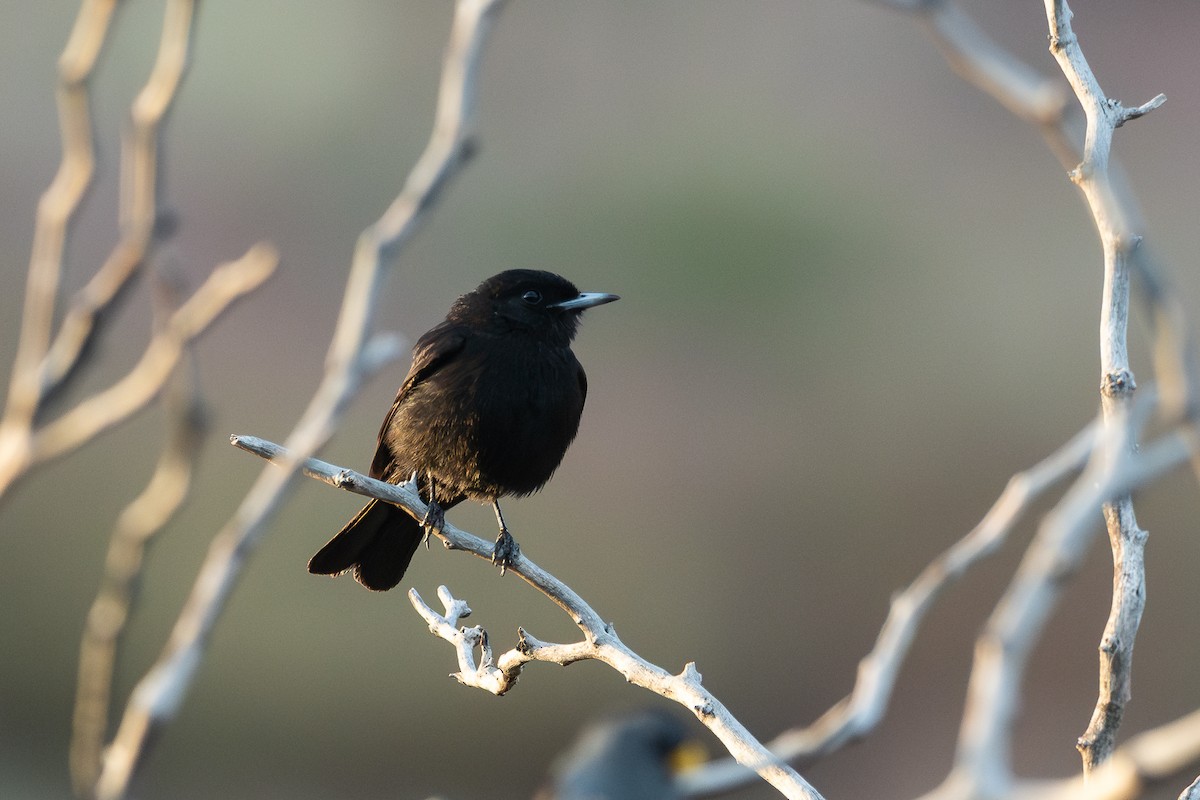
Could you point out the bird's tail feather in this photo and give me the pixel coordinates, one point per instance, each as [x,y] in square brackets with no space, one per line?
[378,544]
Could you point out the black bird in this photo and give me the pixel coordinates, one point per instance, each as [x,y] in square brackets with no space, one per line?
[630,757]
[491,403]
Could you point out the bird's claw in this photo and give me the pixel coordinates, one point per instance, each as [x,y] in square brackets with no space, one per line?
[434,520]
[505,551]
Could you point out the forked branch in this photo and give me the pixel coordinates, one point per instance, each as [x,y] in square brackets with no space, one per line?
[600,641]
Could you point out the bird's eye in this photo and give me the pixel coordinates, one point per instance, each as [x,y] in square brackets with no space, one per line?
[532,297]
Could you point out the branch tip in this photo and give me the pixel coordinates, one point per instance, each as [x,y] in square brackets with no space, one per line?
[1125,114]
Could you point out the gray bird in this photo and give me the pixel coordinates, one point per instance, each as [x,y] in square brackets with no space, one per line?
[630,757]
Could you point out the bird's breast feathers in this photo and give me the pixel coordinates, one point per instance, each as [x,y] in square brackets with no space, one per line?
[498,428]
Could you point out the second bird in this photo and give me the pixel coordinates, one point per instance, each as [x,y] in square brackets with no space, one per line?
[490,404]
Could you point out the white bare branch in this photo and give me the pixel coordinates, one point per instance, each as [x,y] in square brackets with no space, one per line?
[600,643]
[482,674]
[1117,239]
[141,521]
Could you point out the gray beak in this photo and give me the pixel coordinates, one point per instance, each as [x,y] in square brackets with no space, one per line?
[584,300]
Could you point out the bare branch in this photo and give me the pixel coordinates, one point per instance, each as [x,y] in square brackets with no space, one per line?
[1001,654]
[139,522]
[601,642]
[450,144]
[482,674]
[56,209]
[139,206]
[1117,239]
[227,283]
[859,712]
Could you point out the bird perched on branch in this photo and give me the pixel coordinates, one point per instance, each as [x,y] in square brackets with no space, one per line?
[490,404]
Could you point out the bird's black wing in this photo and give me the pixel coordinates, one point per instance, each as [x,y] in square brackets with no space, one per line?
[432,351]
[381,540]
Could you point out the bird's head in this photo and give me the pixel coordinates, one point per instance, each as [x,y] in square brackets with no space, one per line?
[632,756]
[529,299]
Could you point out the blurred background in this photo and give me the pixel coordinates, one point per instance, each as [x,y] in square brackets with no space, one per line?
[857,295]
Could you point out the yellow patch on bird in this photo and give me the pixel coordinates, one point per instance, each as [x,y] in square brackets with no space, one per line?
[688,755]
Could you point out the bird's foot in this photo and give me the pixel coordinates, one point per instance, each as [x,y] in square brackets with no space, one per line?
[505,551]
[434,520]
